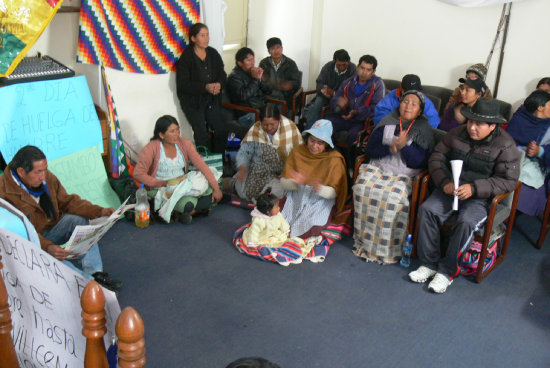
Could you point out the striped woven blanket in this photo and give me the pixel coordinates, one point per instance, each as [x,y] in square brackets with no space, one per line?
[290,252]
[135,36]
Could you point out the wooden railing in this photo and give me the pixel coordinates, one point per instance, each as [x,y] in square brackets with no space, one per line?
[7,350]
[129,328]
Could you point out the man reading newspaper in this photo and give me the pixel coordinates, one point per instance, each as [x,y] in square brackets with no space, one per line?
[36,192]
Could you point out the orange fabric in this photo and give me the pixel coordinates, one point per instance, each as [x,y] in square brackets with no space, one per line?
[329,167]
[399,92]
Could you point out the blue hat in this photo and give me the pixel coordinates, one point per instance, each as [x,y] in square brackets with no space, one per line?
[322,129]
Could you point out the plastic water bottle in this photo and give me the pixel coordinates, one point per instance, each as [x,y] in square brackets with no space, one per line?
[142,208]
[406,254]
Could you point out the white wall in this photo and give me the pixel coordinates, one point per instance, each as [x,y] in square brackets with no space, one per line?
[290,20]
[435,40]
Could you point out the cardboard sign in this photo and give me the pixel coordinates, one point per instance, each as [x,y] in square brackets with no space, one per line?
[83,173]
[58,116]
[44,300]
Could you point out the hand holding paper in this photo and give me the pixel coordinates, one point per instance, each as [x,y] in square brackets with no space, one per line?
[85,236]
[456,167]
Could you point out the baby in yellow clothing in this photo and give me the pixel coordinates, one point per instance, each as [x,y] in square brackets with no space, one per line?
[269,228]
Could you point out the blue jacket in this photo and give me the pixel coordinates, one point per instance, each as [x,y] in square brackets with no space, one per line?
[391,102]
[364,110]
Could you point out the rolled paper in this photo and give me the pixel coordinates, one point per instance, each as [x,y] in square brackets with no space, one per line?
[456,167]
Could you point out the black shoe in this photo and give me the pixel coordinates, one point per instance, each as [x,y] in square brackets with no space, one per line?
[106,281]
[205,212]
[175,217]
[186,218]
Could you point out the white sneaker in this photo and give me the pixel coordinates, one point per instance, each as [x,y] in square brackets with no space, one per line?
[440,283]
[422,274]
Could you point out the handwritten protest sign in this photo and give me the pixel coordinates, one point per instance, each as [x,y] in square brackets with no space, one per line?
[58,116]
[44,300]
[83,173]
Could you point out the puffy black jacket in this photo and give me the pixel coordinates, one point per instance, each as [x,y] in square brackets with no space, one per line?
[245,90]
[491,165]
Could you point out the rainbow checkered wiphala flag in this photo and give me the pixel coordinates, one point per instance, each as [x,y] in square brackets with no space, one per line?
[120,164]
[140,36]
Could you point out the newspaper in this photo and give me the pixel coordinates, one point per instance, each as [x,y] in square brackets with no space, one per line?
[85,236]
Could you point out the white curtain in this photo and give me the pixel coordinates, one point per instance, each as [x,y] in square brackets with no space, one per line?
[212,14]
[476,2]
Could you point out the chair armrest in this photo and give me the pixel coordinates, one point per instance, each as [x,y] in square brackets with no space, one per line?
[231,106]
[307,93]
[494,207]
[424,183]
[499,198]
[296,99]
[279,102]
[414,203]
[358,162]
[298,92]
[324,111]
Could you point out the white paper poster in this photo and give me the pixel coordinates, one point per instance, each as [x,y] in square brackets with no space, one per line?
[456,167]
[44,299]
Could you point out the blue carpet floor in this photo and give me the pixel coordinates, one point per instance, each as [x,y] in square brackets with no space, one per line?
[205,305]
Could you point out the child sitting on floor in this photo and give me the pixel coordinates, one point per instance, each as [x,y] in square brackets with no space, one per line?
[268,228]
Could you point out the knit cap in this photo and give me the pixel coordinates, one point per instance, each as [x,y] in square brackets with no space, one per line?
[479,69]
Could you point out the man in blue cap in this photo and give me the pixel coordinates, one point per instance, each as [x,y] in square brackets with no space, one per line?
[391,101]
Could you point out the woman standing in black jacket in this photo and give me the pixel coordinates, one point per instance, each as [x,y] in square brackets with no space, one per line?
[200,78]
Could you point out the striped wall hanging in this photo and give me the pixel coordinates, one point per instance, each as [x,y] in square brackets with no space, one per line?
[139,36]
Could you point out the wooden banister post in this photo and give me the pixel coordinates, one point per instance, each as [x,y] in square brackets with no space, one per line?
[131,344]
[93,325]
[7,350]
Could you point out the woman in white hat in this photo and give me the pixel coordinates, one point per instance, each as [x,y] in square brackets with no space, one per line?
[316,183]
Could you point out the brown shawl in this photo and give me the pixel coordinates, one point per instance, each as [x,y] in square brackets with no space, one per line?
[329,167]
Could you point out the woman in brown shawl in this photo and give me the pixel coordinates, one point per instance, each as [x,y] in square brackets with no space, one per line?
[316,182]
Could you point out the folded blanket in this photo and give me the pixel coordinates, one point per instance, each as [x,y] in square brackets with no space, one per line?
[292,252]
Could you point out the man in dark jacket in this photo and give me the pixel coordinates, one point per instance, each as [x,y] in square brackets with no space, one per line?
[491,165]
[280,72]
[245,85]
[331,76]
